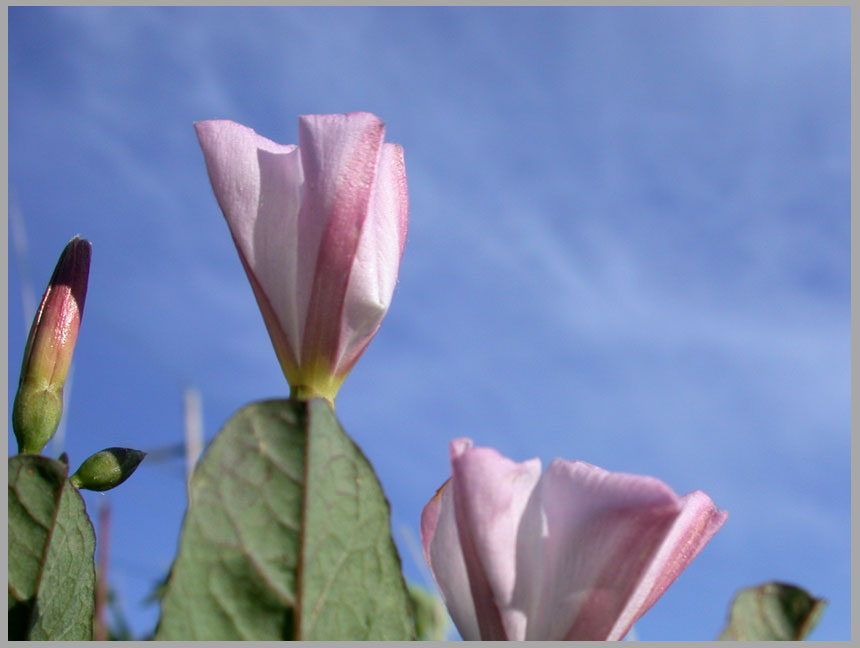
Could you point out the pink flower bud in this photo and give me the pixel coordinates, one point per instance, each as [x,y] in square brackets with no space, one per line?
[320,229]
[575,553]
[50,345]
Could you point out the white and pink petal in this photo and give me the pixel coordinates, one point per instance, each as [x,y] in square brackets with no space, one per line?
[340,158]
[257,184]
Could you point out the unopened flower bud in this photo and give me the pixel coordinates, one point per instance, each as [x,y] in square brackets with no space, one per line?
[107,469]
[50,345]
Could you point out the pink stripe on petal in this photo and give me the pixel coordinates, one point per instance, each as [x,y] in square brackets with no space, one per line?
[490,498]
[695,524]
[430,518]
[602,528]
[340,155]
[396,172]
[444,556]
[373,275]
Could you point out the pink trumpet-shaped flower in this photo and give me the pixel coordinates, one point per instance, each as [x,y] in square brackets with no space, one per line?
[320,229]
[575,553]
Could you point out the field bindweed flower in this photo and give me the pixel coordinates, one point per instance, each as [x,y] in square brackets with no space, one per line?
[320,229]
[575,553]
[50,345]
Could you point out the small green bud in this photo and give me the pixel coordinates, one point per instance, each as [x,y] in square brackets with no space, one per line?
[48,354]
[107,469]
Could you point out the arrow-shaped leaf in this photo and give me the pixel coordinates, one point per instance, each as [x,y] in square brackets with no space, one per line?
[51,544]
[287,536]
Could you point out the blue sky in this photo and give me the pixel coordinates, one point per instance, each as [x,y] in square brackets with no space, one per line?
[628,244]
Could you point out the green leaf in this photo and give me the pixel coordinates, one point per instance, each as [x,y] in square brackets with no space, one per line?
[431,617]
[51,545]
[287,536]
[772,612]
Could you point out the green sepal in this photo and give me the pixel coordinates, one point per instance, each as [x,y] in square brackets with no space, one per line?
[36,415]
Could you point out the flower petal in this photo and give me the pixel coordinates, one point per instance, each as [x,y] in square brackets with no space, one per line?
[257,183]
[444,556]
[380,248]
[602,530]
[491,494]
[340,157]
[696,523]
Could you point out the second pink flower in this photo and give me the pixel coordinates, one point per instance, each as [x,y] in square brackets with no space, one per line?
[575,553]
